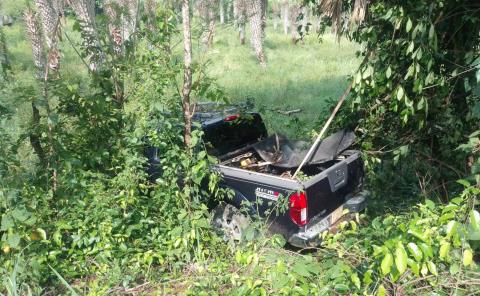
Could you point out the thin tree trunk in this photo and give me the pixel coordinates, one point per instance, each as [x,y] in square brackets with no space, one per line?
[294,13]
[264,6]
[240,15]
[206,11]
[222,12]
[35,138]
[286,17]
[241,33]
[187,74]
[4,61]
[305,16]
[228,11]
[254,10]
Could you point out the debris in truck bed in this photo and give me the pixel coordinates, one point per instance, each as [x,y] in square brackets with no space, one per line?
[288,154]
[279,156]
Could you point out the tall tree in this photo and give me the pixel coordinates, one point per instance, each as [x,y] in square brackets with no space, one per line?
[187,73]
[254,10]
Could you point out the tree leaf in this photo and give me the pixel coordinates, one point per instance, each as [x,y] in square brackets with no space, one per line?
[401,258]
[413,266]
[415,251]
[474,219]
[432,267]
[431,32]
[387,263]
[444,249]
[451,228]
[467,257]
[367,277]
[381,291]
[388,73]
[427,250]
[409,25]
[355,280]
[400,93]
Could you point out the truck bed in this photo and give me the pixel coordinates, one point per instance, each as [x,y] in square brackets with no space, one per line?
[327,187]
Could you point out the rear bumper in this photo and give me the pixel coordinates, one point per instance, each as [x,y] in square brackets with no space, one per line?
[309,235]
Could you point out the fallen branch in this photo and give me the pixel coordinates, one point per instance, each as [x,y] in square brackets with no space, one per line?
[324,129]
[288,112]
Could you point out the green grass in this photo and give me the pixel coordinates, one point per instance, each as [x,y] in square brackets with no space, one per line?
[303,75]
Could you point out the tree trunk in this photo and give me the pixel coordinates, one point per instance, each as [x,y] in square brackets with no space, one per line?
[264,6]
[254,11]
[286,17]
[240,15]
[241,33]
[222,12]
[85,12]
[4,61]
[294,13]
[35,138]
[206,11]
[276,11]
[228,11]
[187,74]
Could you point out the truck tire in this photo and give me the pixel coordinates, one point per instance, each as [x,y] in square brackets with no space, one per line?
[230,221]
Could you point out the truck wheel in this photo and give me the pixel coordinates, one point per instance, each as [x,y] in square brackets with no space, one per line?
[230,221]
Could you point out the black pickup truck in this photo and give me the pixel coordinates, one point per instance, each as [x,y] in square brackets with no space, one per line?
[258,170]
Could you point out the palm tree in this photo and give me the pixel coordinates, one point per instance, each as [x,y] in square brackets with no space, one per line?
[85,12]
[50,20]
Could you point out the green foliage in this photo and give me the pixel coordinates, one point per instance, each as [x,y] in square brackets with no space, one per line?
[413,93]
[91,209]
[90,220]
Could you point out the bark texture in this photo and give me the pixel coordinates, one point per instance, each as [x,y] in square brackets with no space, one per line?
[51,29]
[34,33]
[187,74]
[122,16]
[85,12]
[254,10]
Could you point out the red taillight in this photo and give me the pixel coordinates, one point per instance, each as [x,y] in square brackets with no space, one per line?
[298,208]
[231,117]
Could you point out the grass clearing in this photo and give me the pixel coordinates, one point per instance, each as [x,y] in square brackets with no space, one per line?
[304,75]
